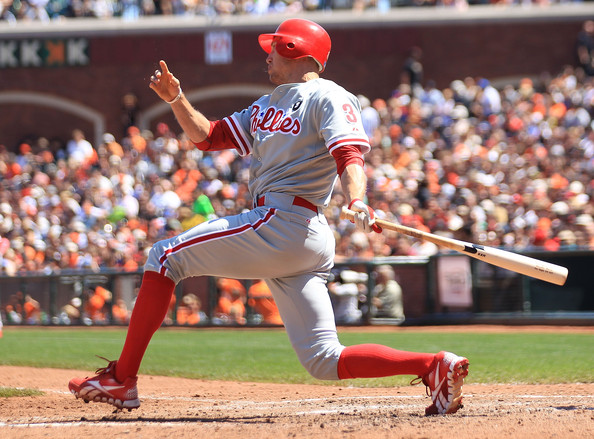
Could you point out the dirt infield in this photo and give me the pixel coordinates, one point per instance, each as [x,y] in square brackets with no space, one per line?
[183,408]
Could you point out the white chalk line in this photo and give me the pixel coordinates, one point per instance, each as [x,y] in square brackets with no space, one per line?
[331,398]
[267,405]
[260,404]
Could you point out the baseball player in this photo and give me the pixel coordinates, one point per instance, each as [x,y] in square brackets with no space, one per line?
[301,138]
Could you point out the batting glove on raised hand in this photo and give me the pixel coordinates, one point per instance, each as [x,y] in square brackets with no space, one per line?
[364,216]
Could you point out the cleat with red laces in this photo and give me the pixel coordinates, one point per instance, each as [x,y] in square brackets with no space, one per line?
[103,387]
[444,383]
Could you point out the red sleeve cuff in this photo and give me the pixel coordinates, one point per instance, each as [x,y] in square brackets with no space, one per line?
[346,155]
[206,143]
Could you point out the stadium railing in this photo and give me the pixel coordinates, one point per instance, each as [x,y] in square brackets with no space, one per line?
[446,288]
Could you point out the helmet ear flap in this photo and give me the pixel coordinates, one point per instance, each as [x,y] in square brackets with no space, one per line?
[297,38]
[286,46]
[290,47]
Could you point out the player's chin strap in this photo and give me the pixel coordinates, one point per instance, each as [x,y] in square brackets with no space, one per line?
[359,206]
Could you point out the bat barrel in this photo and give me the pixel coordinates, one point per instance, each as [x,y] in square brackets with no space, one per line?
[501,258]
[522,264]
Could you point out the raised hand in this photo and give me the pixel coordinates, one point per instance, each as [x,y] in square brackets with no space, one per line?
[165,84]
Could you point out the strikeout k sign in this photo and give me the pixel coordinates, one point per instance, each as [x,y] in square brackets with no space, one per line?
[44,53]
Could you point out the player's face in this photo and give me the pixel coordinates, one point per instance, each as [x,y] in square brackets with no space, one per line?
[281,70]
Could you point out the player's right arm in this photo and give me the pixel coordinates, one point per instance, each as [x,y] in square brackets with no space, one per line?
[206,135]
[168,87]
[194,123]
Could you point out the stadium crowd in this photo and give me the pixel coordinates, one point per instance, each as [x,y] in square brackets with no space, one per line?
[509,167]
[46,10]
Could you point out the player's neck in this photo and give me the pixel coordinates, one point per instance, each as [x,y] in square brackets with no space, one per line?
[296,79]
[309,76]
[299,76]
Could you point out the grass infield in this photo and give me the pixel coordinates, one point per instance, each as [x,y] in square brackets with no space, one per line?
[262,355]
[11,392]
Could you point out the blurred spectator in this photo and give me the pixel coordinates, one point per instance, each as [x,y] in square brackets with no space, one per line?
[134,140]
[120,313]
[230,307]
[36,10]
[131,9]
[32,311]
[369,115]
[585,231]
[347,289]
[386,297]
[5,11]
[189,311]
[80,151]
[129,111]
[112,146]
[489,99]
[186,180]
[14,308]
[261,301]
[164,200]
[12,315]
[412,70]
[585,47]
[95,307]
[203,207]
[70,313]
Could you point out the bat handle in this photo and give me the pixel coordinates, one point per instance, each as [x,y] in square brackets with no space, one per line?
[346,213]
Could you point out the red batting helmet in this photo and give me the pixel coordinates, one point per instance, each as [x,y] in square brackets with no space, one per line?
[297,38]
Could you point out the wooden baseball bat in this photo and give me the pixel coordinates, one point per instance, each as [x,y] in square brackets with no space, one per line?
[501,258]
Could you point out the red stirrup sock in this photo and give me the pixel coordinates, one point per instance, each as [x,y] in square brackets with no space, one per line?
[149,311]
[374,361]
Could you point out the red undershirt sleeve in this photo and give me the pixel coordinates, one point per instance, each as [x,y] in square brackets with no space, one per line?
[346,155]
[219,138]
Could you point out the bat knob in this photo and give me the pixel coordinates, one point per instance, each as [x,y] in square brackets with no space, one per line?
[346,213]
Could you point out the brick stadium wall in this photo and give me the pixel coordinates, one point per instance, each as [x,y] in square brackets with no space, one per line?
[367,57]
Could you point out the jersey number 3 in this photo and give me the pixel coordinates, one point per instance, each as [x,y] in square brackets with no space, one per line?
[351,116]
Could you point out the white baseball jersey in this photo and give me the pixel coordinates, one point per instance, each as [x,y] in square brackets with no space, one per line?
[290,135]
